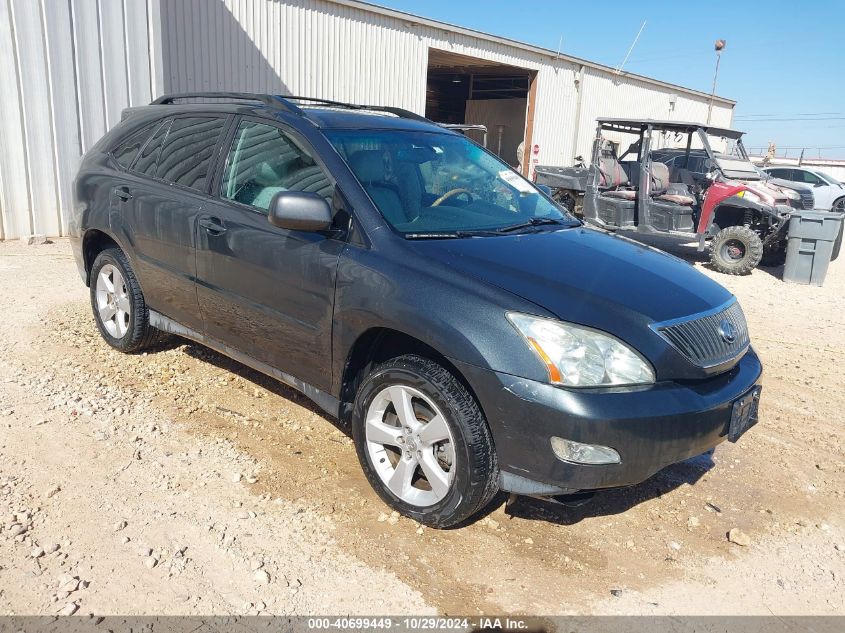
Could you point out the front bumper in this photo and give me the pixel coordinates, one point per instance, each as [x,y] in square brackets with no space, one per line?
[650,427]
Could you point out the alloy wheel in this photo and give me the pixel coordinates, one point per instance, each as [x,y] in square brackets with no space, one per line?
[410,445]
[114,308]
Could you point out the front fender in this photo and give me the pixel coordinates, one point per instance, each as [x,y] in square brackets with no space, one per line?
[463,319]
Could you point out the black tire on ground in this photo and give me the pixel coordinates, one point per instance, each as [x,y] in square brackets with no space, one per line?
[139,334]
[736,250]
[475,479]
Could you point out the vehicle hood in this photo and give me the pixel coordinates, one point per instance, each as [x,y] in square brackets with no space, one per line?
[788,184]
[584,276]
[769,193]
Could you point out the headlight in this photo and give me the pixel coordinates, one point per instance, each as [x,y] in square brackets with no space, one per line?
[792,195]
[749,195]
[577,356]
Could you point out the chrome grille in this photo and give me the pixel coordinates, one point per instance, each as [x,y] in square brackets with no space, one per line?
[702,338]
[808,201]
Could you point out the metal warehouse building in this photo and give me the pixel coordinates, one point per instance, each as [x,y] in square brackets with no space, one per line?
[69,67]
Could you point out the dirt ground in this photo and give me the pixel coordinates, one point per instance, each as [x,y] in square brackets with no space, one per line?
[180,482]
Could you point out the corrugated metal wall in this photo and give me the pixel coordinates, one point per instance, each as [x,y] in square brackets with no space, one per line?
[67,68]
[337,50]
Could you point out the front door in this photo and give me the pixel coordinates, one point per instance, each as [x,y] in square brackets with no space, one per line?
[268,292]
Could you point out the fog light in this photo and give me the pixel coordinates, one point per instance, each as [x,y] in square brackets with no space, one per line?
[575,452]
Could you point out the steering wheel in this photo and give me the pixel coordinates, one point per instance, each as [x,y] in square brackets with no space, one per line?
[449,194]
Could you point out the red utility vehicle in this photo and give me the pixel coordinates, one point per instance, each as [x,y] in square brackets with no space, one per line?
[734,211]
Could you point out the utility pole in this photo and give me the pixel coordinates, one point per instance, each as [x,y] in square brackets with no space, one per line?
[719,47]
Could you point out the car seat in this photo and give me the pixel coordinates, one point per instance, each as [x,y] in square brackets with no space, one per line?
[613,179]
[662,189]
[368,166]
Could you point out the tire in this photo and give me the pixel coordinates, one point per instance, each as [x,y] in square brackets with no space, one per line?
[114,289]
[838,205]
[736,250]
[462,460]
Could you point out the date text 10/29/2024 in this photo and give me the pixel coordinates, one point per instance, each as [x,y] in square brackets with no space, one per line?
[433,624]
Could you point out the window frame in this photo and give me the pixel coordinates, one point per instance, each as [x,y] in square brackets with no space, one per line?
[217,183]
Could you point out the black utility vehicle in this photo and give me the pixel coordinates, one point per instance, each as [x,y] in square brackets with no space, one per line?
[473,334]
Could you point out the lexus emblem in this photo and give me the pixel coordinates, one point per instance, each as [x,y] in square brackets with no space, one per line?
[727,330]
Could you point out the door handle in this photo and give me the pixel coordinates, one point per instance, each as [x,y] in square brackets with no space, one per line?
[212,226]
[123,193]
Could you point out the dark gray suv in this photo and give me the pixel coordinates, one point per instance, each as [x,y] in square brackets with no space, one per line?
[473,335]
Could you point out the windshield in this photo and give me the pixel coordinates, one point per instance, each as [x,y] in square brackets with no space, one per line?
[830,179]
[434,184]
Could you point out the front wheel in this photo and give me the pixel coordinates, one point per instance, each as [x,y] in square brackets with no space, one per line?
[736,250]
[423,442]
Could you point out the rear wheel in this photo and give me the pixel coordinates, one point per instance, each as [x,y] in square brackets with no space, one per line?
[423,442]
[736,250]
[118,304]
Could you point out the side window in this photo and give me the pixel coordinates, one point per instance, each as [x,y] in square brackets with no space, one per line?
[263,160]
[126,152]
[806,176]
[188,150]
[148,158]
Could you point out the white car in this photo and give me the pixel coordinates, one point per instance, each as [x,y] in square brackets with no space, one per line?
[829,192]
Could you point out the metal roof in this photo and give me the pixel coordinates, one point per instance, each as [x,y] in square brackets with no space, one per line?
[635,125]
[554,55]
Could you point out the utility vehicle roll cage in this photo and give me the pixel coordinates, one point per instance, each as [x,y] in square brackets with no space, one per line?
[639,127]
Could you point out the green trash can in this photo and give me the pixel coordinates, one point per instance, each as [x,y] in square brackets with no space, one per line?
[811,238]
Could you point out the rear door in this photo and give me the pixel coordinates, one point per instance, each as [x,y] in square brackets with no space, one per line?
[266,291]
[158,206]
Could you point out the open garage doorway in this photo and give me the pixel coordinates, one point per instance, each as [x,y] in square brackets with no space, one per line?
[469,90]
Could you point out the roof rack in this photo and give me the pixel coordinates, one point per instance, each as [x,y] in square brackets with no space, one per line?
[274,101]
[285,103]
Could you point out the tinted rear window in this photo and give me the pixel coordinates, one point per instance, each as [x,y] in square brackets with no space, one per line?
[126,152]
[188,150]
[148,158]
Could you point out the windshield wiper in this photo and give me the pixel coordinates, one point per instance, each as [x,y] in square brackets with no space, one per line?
[449,235]
[531,222]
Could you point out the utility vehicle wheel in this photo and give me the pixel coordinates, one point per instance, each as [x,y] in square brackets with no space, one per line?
[736,250]
[423,442]
[118,304]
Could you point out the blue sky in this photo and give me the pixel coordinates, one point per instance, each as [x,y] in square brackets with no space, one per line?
[784,63]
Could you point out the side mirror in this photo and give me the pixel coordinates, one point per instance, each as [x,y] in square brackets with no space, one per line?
[819,184]
[545,189]
[300,211]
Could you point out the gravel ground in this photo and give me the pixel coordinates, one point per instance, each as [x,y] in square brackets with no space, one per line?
[180,482]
